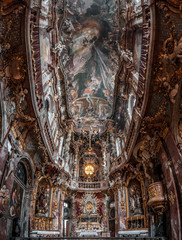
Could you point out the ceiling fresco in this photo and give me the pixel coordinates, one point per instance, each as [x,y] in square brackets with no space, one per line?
[90,57]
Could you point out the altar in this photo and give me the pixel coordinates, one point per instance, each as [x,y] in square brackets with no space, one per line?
[90,222]
[90,233]
[88,229]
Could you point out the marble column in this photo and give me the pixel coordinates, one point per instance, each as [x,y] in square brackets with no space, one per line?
[74,222]
[106,218]
[104,163]
[55,209]
[61,210]
[118,206]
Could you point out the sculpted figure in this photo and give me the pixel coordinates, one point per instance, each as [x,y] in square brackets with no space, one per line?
[42,204]
[11,165]
[127,57]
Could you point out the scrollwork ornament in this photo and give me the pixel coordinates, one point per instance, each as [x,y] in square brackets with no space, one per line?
[172,198]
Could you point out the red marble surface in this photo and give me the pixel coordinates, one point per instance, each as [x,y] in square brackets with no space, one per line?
[5,208]
[176,158]
[171,186]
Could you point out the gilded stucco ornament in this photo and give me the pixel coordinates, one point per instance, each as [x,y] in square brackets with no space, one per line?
[157,198]
[89,204]
[174,6]
[4,198]
[171,197]
[169,70]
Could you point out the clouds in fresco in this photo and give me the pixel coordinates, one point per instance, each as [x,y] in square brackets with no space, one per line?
[91,57]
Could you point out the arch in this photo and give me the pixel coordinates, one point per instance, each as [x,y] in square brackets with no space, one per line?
[19,198]
[21,173]
[26,163]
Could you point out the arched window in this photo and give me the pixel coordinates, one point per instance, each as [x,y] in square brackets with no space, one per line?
[131,104]
[20,194]
[47,105]
[21,173]
[118,146]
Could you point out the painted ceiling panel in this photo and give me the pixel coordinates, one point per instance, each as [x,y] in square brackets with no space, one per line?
[90,57]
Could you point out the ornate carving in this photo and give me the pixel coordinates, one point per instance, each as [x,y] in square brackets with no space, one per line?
[4,198]
[156,197]
[172,197]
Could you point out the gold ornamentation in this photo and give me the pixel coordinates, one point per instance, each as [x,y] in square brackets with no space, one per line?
[122,205]
[42,223]
[156,193]
[172,197]
[55,205]
[89,206]
[156,198]
[89,169]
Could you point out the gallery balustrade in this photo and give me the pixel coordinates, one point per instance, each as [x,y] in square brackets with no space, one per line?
[90,238]
[91,185]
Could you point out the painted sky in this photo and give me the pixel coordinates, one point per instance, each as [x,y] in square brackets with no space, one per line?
[90,59]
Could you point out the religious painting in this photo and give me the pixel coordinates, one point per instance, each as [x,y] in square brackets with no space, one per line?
[21,172]
[90,58]
[4,198]
[44,37]
[135,198]
[137,49]
[43,198]
[16,200]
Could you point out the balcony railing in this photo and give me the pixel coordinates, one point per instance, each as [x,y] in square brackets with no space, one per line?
[90,185]
[89,238]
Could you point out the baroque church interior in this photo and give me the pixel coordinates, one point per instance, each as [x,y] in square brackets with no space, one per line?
[90,119]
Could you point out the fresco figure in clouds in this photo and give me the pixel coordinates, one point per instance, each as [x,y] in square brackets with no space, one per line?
[90,33]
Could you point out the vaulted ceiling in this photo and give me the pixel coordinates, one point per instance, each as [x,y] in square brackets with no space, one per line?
[91,37]
[89,66]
